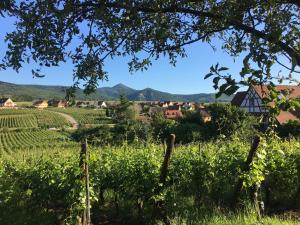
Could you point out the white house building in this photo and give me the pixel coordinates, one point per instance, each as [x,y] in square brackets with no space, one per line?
[252,101]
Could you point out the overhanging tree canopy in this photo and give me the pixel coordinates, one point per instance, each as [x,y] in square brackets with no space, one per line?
[264,32]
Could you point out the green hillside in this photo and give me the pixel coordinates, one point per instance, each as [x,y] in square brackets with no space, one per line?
[31,92]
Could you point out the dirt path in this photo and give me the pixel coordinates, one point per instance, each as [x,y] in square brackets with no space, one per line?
[71,119]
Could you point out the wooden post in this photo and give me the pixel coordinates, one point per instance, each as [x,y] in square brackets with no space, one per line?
[239,185]
[84,158]
[165,165]
[160,205]
[164,145]
[199,148]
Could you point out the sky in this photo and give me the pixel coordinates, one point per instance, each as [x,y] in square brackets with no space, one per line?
[187,77]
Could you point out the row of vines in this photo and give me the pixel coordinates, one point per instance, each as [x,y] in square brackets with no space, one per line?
[86,116]
[127,178]
[16,121]
[28,139]
[29,118]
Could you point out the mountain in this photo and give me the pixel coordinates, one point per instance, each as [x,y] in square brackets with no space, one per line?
[20,92]
[115,91]
[30,92]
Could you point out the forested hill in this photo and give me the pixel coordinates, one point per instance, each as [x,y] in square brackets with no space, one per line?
[30,92]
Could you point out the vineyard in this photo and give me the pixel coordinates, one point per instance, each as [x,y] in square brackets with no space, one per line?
[29,118]
[12,141]
[17,121]
[125,183]
[85,116]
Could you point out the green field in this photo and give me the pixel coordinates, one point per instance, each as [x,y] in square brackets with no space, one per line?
[24,104]
[85,116]
[29,118]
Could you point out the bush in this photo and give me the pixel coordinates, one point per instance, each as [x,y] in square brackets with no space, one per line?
[188,132]
[227,120]
[192,117]
[162,127]
[98,136]
[291,128]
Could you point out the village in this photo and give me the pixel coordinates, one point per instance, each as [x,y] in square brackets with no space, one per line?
[171,110]
[251,101]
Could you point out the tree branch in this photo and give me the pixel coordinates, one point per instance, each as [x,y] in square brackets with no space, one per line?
[229,21]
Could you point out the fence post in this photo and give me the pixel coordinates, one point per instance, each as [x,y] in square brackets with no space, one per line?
[239,185]
[165,165]
[164,145]
[84,158]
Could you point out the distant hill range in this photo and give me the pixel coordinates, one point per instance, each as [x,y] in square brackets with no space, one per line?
[31,92]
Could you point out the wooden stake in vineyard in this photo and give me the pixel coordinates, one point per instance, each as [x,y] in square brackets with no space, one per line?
[84,158]
[160,205]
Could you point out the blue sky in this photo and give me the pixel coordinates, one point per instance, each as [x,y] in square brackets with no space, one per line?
[186,78]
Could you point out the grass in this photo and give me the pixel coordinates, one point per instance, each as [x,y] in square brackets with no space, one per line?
[23,104]
[246,218]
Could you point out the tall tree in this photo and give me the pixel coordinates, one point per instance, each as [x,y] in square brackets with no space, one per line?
[263,32]
[125,120]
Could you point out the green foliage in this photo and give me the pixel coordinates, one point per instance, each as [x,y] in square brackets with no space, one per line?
[188,132]
[191,117]
[37,186]
[124,110]
[125,119]
[97,136]
[85,116]
[221,217]
[280,100]
[162,127]
[289,129]
[29,139]
[17,121]
[262,33]
[29,118]
[228,120]
[44,188]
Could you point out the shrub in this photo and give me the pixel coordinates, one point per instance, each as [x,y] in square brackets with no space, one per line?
[188,132]
[227,120]
[97,136]
[291,128]
[162,127]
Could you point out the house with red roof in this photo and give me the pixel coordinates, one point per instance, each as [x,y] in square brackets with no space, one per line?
[252,101]
[173,114]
